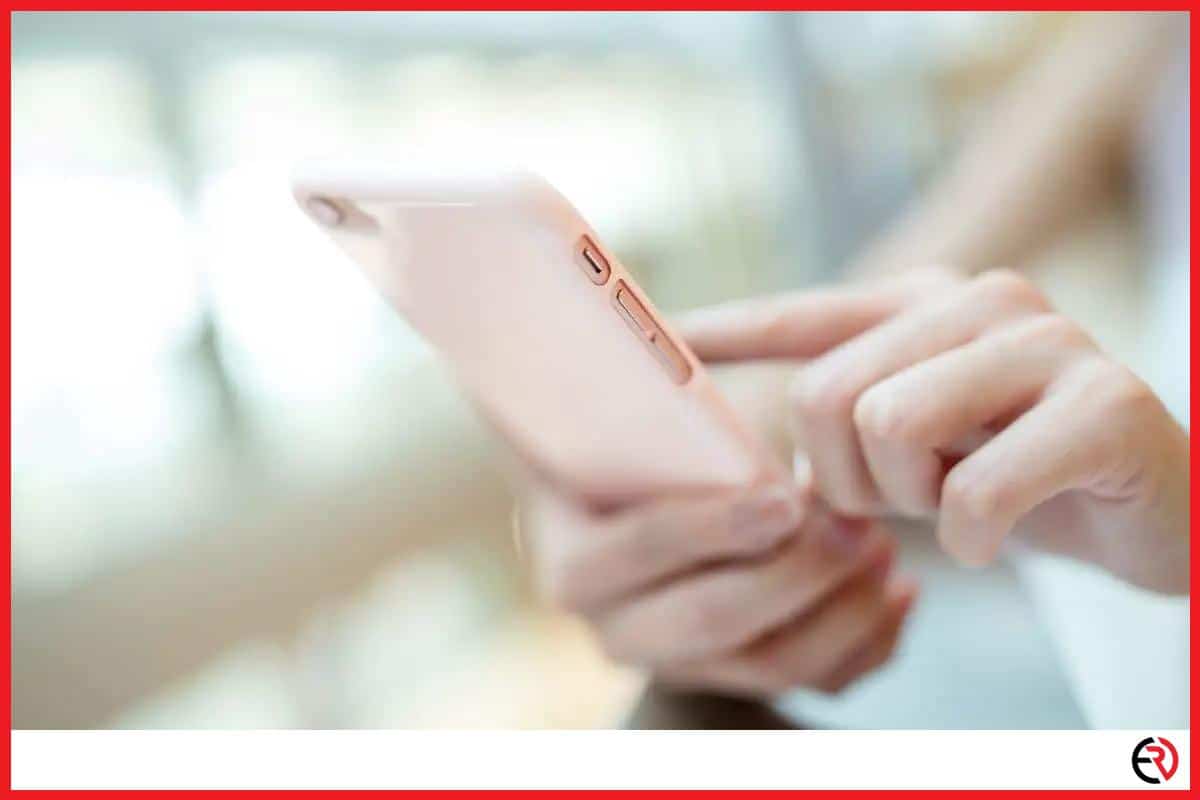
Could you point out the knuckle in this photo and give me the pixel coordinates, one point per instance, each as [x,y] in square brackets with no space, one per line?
[879,413]
[822,393]
[971,497]
[1129,398]
[873,416]
[1055,329]
[1127,387]
[1011,288]
[1116,390]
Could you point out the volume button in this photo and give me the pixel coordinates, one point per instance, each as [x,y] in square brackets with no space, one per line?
[670,357]
[633,311]
[664,350]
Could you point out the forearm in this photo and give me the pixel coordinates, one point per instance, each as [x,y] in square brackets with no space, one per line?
[1053,142]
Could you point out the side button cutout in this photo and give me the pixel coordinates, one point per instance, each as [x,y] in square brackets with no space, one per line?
[592,261]
[633,311]
[661,346]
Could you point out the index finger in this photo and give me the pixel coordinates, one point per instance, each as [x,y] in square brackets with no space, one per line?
[803,324]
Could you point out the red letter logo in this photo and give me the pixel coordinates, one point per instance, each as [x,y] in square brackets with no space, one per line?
[1162,755]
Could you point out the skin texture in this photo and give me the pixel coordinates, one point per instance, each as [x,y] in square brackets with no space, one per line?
[970,401]
[1063,444]
[755,592]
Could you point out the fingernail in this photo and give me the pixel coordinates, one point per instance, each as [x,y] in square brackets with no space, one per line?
[767,517]
[845,535]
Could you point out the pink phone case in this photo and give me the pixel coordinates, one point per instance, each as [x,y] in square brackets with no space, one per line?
[553,339]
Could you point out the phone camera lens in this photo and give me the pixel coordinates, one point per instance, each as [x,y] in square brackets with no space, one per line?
[324,211]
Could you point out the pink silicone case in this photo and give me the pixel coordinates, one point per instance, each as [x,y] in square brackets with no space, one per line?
[488,269]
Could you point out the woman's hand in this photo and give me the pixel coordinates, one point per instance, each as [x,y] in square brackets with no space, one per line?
[753,592]
[972,400]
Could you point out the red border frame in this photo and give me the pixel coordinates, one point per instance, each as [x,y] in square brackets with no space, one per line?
[585,5]
[512,5]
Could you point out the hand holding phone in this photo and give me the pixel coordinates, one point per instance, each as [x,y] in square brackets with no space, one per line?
[751,592]
[650,509]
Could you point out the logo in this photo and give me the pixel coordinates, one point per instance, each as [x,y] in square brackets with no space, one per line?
[1155,759]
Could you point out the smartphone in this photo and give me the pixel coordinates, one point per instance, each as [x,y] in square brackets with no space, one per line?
[548,333]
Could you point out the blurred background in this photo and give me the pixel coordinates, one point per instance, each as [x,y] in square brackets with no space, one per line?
[245,495]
